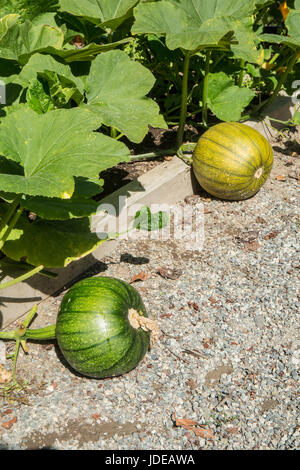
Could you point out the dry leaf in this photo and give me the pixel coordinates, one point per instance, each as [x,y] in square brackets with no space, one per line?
[280,178]
[10,423]
[168,273]
[247,237]
[193,199]
[204,433]
[190,425]
[5,375]
[271,235]
[140,277]
[185,423]
[232,429]
[251,246]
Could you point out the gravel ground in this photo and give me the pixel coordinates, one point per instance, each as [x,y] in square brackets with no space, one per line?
[228,356]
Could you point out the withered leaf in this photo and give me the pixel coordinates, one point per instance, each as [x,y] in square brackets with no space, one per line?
[271,235]
[140,277]
[168,273]
[251,246]
[5,375]
[185,423]
[204,433]
[280,178]
[10,423]
[192,425]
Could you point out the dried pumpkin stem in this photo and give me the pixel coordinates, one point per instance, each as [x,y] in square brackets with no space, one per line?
[138,321]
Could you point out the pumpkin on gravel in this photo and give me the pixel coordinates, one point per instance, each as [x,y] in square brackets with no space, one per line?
[102,328]
[232,161]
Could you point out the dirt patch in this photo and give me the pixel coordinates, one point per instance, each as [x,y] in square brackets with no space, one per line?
[214,376]
[79,431]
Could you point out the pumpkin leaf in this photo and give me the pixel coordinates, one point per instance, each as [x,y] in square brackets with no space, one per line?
[248,40]
[146,220]
[53,244]
[37,98]
[57,209]
[40,63]
[18,41]
[226,100]
[106,13]
[80,204]
[115,88]
[190,25]
[86,53]
[50,164]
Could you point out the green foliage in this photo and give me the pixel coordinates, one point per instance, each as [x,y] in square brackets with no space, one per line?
[226,100]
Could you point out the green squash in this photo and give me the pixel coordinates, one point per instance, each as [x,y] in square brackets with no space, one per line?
[232,161]
[93,330]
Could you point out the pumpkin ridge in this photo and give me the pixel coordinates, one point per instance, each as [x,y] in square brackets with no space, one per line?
[242,131]
[230,151]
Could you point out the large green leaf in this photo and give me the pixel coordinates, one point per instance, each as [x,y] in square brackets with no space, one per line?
[57,209]
[53,148]
[19,41]
[80,204]
[248,40]
[52,244]
[190,24]
[225,99]
[86,53]
[116,89]
[39,63]
[106,13]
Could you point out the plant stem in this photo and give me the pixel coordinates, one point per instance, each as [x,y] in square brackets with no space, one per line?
[25,276]
[22,333]
[11,210]
[184,96]
[205,90]
[157,153]
[9,228]
[241,74]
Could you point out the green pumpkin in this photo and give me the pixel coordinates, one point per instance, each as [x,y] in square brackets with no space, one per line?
[93,330]
[232,161]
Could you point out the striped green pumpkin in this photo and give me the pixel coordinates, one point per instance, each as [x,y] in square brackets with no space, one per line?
[93,330]
[232,161]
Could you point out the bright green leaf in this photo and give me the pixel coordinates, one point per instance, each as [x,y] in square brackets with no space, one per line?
[146,220]
[39,63]
[225,99]
[116,89]
[190,25]
[106,13]
[37,98]
[19,41]
[58,209]
[52,244]
[53,148]
[296,118]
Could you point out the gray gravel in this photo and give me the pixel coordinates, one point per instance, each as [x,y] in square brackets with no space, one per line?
[228,356]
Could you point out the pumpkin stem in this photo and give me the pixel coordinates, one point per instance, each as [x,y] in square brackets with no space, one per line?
[138,321]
